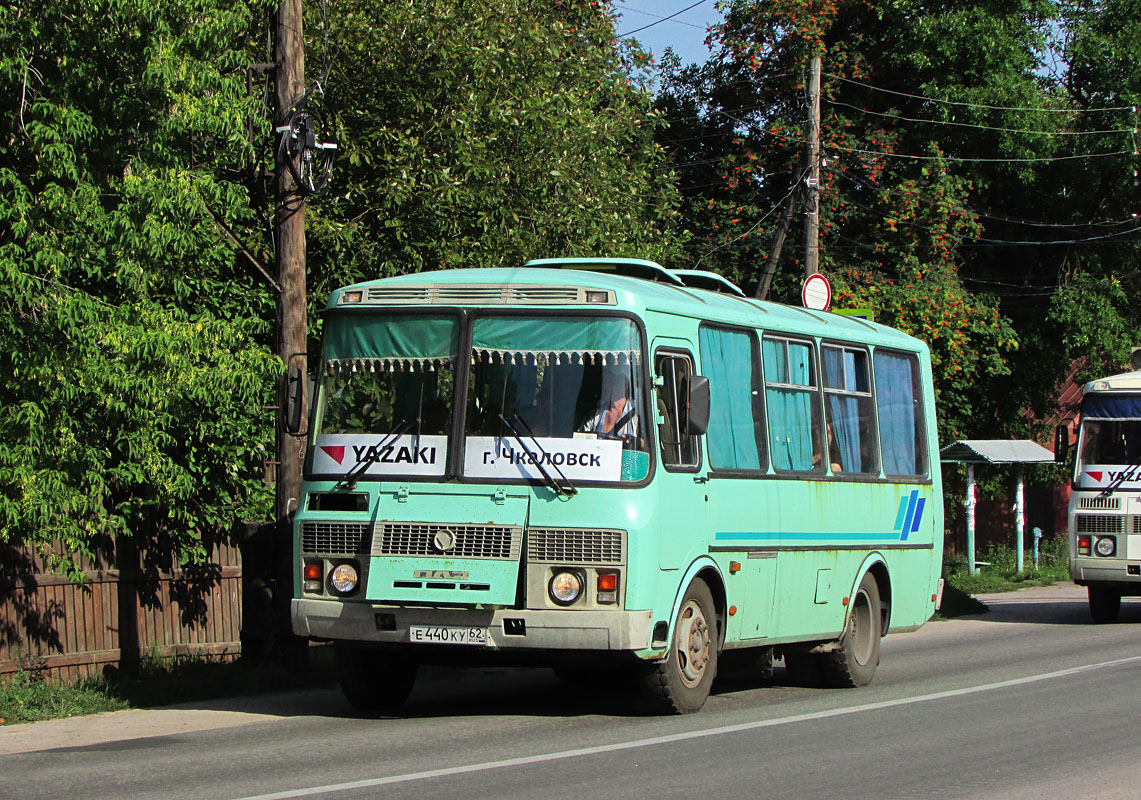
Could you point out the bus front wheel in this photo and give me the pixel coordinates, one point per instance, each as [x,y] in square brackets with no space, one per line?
[681,683]
[1104,604]
[855,662]
[375,681]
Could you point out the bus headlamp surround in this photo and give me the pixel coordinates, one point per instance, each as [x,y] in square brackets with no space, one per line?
[1106,546]
[565,586]
[344,578]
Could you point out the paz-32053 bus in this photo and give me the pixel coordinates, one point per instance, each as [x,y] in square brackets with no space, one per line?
[604,466]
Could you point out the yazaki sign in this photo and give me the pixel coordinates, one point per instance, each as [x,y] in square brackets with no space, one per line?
[403,455]
[816,293]
[1102,476]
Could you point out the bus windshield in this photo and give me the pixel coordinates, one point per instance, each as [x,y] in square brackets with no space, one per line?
[1111,430]
[561,393]
[385,395]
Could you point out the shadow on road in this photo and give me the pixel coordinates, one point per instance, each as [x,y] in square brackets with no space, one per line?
[1072,609]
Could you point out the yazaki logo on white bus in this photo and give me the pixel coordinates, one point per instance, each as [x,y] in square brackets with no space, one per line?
[1122,476]
[403,455]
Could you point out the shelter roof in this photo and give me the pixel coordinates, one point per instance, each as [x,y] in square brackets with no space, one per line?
[995,451]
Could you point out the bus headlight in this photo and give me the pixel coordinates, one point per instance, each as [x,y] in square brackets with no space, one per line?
[1106,546]
[565,587]
[343,578]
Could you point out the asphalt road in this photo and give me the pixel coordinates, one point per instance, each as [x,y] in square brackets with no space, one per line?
[1028,701]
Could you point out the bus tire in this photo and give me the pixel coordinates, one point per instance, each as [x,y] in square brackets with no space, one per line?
[854,663]
[681,683]
[375,681]
[1104,604]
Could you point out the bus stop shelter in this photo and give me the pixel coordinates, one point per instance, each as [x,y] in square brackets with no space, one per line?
[995,451]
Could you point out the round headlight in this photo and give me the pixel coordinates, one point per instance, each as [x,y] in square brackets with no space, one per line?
[343,578]
[565,587]
[1106,546]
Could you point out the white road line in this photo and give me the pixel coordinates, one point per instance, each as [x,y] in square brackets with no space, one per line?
[681,737]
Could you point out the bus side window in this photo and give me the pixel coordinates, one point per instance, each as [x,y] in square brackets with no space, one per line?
[678,451]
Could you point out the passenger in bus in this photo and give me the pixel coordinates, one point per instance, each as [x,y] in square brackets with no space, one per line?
[833,452]
[617,417]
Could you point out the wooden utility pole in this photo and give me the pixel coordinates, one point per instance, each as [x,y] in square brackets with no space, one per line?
[812,178]
[289,250]
[289,219]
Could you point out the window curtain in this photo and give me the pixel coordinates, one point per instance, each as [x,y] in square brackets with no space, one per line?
[727,360]
[790,410]
[896,403]
[840,372]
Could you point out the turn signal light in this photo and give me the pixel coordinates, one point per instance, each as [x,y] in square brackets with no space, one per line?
[607,587]
[1084,544]
[312,575]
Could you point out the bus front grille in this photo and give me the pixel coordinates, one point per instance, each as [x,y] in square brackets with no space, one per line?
[1100,503]
[335,538]
[482,294]
[1099,523]
[436,540]
[576,546]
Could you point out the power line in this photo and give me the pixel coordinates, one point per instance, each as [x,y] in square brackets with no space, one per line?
[979,160]
[660,18]
[982,105]
[660,21]
[972,125]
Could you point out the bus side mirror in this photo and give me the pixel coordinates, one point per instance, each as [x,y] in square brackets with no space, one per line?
[697,416]
[294,387]
[1061,443]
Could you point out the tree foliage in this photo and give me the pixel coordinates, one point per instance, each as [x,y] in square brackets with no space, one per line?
[974,192]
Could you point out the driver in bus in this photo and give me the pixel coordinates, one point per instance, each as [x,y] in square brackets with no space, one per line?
[617,417]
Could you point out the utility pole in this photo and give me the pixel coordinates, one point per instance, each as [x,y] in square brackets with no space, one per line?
[812,178]
[289,228]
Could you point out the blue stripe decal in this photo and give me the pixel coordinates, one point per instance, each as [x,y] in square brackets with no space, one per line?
[918,514]
[902,513]
[906,529]
[811,536]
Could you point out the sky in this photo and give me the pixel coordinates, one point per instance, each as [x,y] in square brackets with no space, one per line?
[685,33]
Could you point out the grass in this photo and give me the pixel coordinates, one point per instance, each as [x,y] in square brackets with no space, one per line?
[997,572]
[27,697]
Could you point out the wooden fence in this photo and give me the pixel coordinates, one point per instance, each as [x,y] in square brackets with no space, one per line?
[129,606]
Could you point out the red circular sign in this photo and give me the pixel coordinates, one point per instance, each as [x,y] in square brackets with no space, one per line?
[816,293]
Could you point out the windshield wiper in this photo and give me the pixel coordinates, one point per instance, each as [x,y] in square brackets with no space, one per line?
[569,489]
[349,481]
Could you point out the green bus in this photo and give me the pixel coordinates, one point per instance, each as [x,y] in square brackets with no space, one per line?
[611,468]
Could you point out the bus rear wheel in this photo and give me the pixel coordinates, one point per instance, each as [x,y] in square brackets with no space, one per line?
[855,662]
[1104,604]
[681,683]
[375,681]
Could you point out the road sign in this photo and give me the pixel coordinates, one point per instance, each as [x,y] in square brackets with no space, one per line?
[816,293]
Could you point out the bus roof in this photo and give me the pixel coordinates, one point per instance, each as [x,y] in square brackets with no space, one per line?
[537,287]
[1125,382]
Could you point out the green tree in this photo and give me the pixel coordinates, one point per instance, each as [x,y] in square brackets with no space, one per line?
[134,373]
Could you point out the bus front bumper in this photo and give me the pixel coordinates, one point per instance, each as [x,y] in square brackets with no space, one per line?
[1086,570]
[506,628]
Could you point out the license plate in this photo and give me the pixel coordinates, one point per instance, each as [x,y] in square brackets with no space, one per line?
[437,634]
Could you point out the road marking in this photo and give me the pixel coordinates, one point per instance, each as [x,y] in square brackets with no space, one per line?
[681,737]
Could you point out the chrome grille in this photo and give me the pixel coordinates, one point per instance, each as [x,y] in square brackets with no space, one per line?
[576,546]
[1099,523]
[468,541]
[1101,503]
[335,538]
[481,294]
[1136,523]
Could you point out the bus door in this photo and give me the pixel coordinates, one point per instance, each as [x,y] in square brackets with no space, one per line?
[682,506]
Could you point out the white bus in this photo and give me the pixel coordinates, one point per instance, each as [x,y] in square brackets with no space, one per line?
[1105,504]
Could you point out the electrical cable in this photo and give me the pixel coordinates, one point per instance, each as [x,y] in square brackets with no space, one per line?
[979,127]
[981,160]
[660,21]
